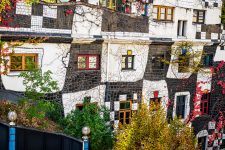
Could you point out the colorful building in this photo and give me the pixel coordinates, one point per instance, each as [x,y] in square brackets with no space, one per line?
[121,53]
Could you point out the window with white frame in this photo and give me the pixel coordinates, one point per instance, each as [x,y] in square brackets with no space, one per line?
[181,107]
[181,28]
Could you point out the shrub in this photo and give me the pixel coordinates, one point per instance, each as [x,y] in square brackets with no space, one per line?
[101,135]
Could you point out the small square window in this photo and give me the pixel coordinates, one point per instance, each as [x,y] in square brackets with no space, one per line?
[127,62]
[157,62]
[88,62]
[198,16]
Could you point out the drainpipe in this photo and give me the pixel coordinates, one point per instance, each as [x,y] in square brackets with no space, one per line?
[108,48]
[107,71]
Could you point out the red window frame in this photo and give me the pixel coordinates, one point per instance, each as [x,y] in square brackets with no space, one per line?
[87,61]
[204,107]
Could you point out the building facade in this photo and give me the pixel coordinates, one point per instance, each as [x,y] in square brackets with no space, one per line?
[119,54]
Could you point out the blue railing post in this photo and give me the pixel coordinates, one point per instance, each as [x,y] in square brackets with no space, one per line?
[85,131]
[85,144]
[12,138]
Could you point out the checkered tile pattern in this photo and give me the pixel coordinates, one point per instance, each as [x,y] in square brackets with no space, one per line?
[114,108]
[41,19]
[219,136]
[203,32]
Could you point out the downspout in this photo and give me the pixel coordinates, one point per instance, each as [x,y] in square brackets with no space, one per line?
[108,48]
[107,72]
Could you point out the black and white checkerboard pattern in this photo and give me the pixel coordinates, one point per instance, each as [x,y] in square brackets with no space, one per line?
[203,32]
[42,19]
[219,136]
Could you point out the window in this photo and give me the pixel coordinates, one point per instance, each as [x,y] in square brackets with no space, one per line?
[22,62]
[127,62]
[208,60]
[181,28]
[156,103]
[125,112]
[180,106]
[202,143]
[198,16]
[88,62]
[183,61]
[157,62]
[79,106]
[163,13]
[205,103]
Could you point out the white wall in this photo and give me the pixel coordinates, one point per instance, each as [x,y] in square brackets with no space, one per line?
[213,15]
[86,22]
[49,58]
[183,11]
[70,100]
[173,68]
[204,78]
[148,90]
[220,54]
[114,71]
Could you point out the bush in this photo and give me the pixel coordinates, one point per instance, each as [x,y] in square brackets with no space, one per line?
[56,113]
[23,119]
[101,135]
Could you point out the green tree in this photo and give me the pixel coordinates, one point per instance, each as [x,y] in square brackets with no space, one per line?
[149,129]
[97,118]
[36,86]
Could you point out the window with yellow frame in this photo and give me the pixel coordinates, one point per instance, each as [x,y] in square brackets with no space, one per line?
[164,13]
[23,62]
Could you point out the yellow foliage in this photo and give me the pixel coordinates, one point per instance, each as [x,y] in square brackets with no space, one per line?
[150,130]
[3,4]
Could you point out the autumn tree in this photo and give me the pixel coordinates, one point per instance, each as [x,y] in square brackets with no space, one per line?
[149,129]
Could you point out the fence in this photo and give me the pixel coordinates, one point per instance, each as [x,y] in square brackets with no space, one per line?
[31,139]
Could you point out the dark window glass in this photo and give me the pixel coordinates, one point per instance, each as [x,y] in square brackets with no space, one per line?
[127,62]
[157,62]
[202,143]
[180,106]
[208,60]
[198,16]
